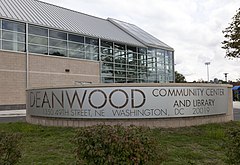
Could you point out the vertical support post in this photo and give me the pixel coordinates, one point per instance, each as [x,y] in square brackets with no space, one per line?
[207,63]
[27,58]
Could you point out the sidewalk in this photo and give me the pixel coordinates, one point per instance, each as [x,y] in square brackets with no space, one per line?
[13,113]
[236,104]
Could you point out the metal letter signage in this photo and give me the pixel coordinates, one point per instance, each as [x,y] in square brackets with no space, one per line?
[127,102]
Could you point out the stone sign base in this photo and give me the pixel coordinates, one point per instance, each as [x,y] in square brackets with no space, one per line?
[164,122]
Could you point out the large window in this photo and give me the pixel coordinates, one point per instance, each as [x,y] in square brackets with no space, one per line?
[151,65]
[123,63]
[107,67]
[13,36]
[76,46]
[91,48]
[169,66]
[57,43]
[142,64]
[37,39]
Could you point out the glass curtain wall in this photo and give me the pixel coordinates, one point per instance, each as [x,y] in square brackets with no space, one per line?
[107,69]
[37,39]
[169,66]
[160,58]
[142,65]
[13,35]
[127,64]
[76,46]
[160,66]
[42,40]
[91,48]
[120,63]
[58,43]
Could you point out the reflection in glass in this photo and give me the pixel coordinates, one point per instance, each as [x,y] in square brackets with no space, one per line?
[119,46]
[77,54]
[107,44]
[58,43]
[9,45]
[57,51]
[37,30]
[107,73]
[91,41]
[120,80]
[37,40]
[76,46]
[57,34]
[75,38]
[13,26]
[14,36]
[131,49]
[108,79]
[119,73]
[107,58]
[37,49]
[106,51]
[91,56]
[91,48]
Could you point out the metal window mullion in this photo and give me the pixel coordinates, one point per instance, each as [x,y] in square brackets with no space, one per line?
[165,71]
[100,60]
[137,64]
[67,48]
[48,42]
[113,63]
[126,57]
[85,53]
[173,67]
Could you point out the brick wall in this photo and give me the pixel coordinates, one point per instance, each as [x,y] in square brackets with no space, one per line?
[44,71]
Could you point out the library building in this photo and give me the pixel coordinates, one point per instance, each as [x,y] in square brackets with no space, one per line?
[44,45]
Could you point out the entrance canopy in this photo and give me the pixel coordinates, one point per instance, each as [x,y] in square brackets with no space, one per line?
[236,88]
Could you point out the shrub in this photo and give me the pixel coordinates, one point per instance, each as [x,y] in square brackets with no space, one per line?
[232,145]
[103,144]
[9,148]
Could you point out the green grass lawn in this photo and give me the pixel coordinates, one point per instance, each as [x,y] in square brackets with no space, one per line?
[190,145]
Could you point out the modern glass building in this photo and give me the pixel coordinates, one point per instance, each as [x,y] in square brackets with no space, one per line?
[39,35]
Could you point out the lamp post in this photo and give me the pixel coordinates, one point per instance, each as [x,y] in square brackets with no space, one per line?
[225,76]
[207,63]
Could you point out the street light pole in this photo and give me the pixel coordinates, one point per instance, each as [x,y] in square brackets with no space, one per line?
[225,76]
[207,63]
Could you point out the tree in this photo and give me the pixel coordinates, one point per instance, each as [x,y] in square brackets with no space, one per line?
[179,78]
[232,36]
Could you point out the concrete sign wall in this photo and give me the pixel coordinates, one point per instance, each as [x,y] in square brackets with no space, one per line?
[127,102]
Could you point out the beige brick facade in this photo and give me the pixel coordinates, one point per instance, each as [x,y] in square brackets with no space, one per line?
[44,71]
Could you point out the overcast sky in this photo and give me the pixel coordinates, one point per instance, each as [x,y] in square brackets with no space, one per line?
[192,27]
